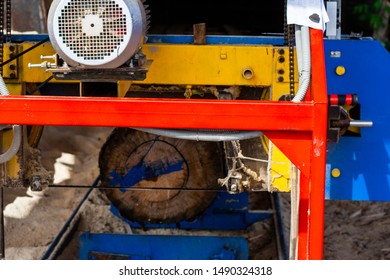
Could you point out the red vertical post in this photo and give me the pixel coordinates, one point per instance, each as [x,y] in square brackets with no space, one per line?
[312,187]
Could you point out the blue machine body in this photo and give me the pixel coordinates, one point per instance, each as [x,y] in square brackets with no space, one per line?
[161,247]
[227,212]
[363,161]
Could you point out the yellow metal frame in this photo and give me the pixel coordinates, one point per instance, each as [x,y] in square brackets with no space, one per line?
[187,65]
[209,65]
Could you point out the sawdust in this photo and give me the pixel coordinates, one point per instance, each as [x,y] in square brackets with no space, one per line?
[33,219]
[353,230]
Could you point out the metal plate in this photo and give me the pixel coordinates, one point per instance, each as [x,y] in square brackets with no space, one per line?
[363,161]
[160,247]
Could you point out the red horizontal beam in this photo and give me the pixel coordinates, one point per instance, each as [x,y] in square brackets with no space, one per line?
[156,113]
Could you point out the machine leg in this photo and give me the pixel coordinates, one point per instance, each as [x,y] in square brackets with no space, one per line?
[2,245]
[312,187]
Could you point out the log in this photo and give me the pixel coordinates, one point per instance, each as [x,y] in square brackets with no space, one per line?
[131,159]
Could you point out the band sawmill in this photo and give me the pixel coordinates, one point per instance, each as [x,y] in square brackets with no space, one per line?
[211,103]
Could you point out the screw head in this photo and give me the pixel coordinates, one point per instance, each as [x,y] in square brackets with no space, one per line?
[340,70]
[281,59]
[336,173]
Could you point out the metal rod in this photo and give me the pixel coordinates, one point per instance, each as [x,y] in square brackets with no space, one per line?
[40,86]
[360,123]
[56,241]
[141,189]
[24,52]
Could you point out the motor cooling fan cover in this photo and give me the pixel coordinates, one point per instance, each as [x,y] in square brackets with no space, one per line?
[96,33]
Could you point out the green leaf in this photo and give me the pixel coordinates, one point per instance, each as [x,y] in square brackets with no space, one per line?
[377,5]
[357,9]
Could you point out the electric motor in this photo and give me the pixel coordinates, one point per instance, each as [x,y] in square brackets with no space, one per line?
[96,33]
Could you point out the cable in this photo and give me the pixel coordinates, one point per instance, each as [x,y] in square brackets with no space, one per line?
[203,135]
[17,130]
[48,254]
[146,188]
[40,86]
[24,52]
[304,76]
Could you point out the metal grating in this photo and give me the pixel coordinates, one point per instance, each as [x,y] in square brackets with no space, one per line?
[92,29]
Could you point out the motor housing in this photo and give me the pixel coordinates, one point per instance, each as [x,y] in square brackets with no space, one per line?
[96,33]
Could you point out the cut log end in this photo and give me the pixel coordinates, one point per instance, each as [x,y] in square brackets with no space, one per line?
[131,160]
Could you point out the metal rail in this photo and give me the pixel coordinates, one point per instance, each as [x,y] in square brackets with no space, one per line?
[52,250]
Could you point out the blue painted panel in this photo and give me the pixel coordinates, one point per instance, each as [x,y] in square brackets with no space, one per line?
[218,39]
[28,37]
[227,212]
[181,39]
[363,161]
[162,247]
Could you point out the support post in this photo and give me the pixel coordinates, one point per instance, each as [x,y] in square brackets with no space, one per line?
[2,244]
[312,188]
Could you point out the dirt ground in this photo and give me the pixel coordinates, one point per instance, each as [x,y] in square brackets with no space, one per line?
[353,230]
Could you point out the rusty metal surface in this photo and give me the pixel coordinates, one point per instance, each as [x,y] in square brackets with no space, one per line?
[200,34]
[29,15]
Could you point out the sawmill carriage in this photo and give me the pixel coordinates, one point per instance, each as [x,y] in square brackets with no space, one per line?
[211,103]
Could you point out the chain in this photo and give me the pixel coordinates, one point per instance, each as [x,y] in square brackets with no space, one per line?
[8,20]
[285,26]
[291,58]
[289,41]
[1,34]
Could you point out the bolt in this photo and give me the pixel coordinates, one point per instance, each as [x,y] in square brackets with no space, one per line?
[12,75]
[281,51]
[336,173]
[340,70]
[281,71]
[12,48]
[280,79]
[281,59]
[12,67]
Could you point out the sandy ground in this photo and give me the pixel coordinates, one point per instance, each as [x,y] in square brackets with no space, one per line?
[353,230]
[33,219]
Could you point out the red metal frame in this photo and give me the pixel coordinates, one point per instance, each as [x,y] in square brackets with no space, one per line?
[299,130]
